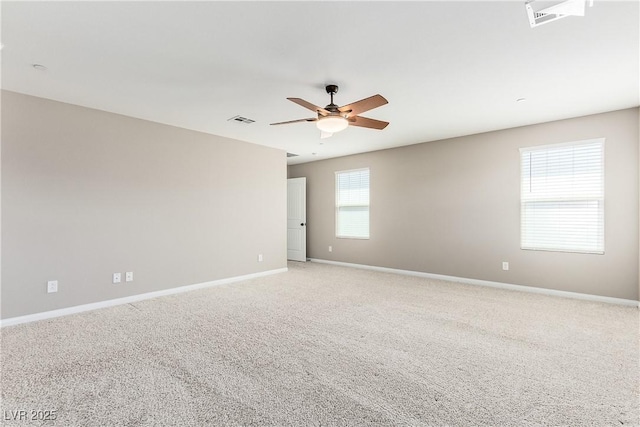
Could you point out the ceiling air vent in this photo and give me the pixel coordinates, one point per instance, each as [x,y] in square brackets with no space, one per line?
[241,119]
[292,155]
[542,11]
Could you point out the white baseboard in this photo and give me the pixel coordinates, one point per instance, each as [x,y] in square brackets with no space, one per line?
[133,298]
[500,285]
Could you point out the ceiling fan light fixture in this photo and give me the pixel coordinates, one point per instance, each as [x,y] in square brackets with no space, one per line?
[332,118]
[332,124]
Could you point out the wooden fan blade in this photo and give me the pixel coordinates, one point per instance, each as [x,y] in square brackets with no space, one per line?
[367,123]
[309,105]
[363,105]
[295,121]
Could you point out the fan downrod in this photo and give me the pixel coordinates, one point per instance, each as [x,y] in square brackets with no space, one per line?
[332,90]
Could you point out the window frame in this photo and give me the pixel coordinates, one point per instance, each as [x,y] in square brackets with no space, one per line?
[338,206]
[601,199]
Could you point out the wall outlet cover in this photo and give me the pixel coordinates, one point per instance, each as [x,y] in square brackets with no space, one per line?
[128,276]
[52,286]
[117,277]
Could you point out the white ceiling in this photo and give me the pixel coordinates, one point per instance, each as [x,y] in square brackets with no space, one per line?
[447,68]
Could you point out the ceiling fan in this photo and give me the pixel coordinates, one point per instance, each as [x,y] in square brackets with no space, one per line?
[332,119]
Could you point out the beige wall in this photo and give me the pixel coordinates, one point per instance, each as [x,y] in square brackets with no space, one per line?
[452,207]
[87,193]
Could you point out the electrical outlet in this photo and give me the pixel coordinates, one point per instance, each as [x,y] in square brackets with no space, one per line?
[505,265]
[117,277]
[330,248]
[52,286]
[259,257]
[128,276]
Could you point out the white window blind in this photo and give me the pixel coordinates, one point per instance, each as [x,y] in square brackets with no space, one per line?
[352,204]
[562,197]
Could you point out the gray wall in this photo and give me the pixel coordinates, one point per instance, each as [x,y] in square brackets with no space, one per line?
[452,207]
[87,193]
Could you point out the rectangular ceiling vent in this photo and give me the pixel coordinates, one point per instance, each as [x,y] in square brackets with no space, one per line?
[241,119]
[542,11]
[292,155]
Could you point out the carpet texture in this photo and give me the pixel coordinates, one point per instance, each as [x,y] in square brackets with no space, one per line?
[325,345]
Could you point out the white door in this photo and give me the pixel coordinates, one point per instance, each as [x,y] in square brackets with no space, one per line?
[297,219]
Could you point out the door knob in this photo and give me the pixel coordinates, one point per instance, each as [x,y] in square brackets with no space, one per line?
[302,224]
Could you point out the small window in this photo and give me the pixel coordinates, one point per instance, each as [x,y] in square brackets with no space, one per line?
[562,197]
[352,204]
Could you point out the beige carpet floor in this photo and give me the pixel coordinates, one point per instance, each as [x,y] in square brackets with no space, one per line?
[325,345]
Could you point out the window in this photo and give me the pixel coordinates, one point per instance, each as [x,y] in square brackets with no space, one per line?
[352,204]
[562,197]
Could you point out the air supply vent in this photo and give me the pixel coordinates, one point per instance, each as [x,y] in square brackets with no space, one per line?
[241,119]
[292,155]
[545,11]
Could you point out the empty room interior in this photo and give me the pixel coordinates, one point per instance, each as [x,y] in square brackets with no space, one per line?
[320,213]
